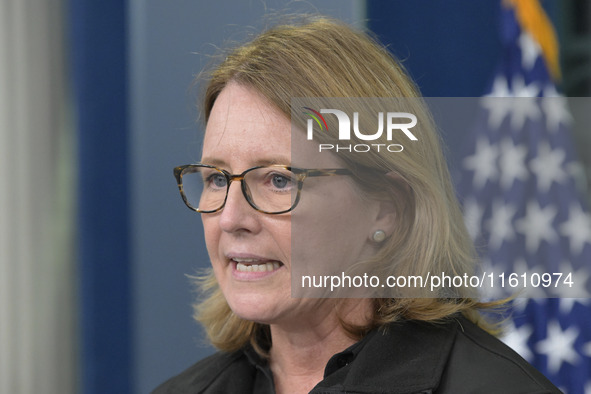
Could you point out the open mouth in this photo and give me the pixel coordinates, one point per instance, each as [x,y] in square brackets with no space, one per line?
[254,265]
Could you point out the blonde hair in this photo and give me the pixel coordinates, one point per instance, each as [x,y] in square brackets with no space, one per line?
[320,57]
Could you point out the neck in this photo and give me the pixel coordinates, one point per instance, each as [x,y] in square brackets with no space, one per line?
[301,349]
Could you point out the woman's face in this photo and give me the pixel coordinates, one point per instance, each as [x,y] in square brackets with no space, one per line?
[251,252]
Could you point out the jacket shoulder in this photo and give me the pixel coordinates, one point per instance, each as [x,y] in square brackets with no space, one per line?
[201,375]
[479,362]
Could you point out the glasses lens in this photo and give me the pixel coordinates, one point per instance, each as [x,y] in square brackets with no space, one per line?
[272,189]
[205,188]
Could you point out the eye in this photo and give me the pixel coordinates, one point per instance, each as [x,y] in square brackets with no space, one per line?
[217,180]
[270,180]
[280,181]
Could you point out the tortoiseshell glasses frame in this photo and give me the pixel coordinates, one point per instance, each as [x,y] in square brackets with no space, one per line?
[297,174]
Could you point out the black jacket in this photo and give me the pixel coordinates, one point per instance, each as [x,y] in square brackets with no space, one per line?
[408,357]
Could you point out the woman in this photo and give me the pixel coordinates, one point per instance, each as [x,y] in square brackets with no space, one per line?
[260,185]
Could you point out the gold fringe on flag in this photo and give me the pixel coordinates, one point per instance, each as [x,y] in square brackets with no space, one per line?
[533,19]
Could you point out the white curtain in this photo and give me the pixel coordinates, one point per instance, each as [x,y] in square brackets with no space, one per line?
[37,185]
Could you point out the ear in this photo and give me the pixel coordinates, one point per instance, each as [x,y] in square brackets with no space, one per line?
[386,215]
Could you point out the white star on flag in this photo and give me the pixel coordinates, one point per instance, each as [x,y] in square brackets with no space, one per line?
[492,290]
[498,108]
[530,50]
[577,228]
[577,172]
[500,88]
[522,110]
[512,163]
[518,101]
[520,89]
[558,346]
[566,304]
[519,304]
[548,166]
[516,339]
[524,105]
[555,109]
[536,226]
[483,163]
[578,278]
[520,267]
[499,224]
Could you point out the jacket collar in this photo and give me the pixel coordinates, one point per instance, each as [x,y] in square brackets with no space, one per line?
[403,357]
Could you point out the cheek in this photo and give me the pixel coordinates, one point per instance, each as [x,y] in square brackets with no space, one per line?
[211,232]
[333,236]
[282,237]
[330,236]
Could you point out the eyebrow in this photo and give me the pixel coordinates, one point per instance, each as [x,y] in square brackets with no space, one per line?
[221,163]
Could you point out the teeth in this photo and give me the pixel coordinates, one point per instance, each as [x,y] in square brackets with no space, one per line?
[238,260]
[241,265]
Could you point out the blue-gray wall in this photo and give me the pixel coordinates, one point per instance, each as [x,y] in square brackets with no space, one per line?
[169,42]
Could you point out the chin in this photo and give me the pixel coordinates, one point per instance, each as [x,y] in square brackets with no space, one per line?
[260,308]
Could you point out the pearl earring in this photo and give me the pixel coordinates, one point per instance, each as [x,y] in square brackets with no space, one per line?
[378,236]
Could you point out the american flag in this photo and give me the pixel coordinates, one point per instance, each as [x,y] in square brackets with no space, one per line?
[525,210]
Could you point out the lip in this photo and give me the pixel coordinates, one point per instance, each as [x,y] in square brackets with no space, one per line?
[251,259]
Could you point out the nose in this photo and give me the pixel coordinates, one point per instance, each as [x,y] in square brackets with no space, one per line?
[237,214]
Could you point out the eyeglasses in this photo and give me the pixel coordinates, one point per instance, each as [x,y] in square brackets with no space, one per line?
[270,189]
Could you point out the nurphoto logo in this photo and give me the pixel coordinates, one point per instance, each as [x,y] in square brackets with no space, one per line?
[396,122]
